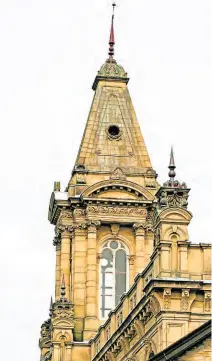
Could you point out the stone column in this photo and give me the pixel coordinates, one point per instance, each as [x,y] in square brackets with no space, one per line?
[56,352]
[139,247]
[65,260]
[91,322]
[165,259]
[79,279]
[68,352]
[183,255]
[57,244]
[149,244]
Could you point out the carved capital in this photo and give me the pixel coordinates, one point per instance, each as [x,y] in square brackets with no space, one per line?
[92,226]
[80,226]
[79,212]
[139,229]
[66,233]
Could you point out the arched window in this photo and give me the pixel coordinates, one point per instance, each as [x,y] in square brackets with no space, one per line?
[113,275]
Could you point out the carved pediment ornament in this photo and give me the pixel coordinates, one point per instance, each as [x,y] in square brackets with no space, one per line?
[118,174]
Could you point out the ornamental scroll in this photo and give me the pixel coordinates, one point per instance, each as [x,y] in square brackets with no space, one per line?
[126,211]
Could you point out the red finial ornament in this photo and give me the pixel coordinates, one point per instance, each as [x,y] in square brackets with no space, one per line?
[112,37]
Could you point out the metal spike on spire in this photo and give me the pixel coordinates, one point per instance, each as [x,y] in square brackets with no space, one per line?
[51,307]
[112,37]
[172,166]
[63,287]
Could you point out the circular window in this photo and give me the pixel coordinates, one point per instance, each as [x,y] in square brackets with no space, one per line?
[114,131]
[113,244]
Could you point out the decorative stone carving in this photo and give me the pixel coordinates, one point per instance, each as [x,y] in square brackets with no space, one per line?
[80,226]
[185,300]
[131,259]
[66,215]
[118,174]
[45,339]
[124,341]
[115,229]
[62,311]
[139,229]
[173,198]
[207,301]
[166,298]
[93,225]
[57,242]
[139,326]
[126,211]
[80,178]
[79,212]
[150,177]
[154,305]
[65,228]
[47,356]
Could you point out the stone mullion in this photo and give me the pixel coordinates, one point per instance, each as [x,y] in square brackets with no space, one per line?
[65,260]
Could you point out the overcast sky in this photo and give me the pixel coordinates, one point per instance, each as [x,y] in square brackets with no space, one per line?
[50,52]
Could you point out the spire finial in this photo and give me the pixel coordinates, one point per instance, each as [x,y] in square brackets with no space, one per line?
[50,308]
[172,167]
[112,37]
[63,287]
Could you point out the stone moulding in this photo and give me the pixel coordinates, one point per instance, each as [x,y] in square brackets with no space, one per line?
[119,183]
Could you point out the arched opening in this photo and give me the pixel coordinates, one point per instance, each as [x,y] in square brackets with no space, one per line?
[113,275]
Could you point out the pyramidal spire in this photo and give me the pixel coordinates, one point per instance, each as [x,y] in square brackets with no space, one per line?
[112,38]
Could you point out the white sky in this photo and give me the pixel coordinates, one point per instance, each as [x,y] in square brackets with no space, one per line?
[50,52]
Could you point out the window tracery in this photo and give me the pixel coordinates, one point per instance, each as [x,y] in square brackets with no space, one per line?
[113,275]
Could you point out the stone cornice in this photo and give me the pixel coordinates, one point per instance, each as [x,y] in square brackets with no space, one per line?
[176,283]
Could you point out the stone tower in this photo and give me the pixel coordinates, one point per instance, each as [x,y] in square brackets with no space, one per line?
[111,222]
